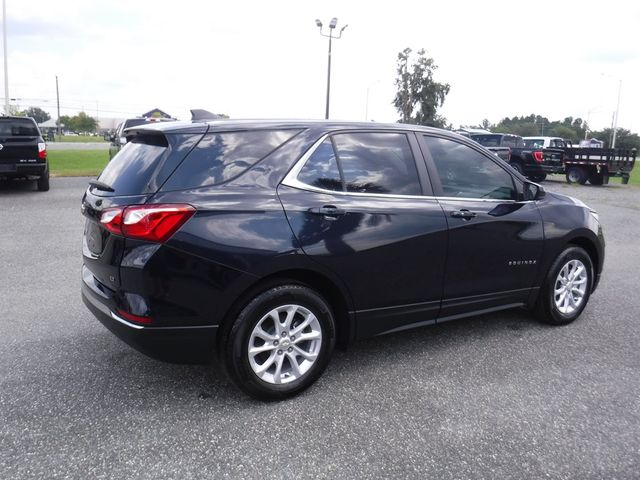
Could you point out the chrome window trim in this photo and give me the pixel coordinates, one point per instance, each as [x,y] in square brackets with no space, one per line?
[291,180]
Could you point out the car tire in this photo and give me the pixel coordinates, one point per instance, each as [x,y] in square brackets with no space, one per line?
[539,177]
[576,175]
[596,179]
[567,287]
[269,364]
[43,182]
[517,166]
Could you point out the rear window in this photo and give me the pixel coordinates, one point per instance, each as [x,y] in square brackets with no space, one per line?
[534,142]
[512,141]
[16,127]
[220,157]
[487,140]
[129,172]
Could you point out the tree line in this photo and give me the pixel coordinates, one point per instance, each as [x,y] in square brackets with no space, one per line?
[418,98]
[76,123]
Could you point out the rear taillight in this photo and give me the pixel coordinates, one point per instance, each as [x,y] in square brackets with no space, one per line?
[154,223]
[111,219]
[42,150]
[538,156]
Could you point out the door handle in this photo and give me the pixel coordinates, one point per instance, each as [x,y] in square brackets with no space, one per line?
[463,214]
[327,211]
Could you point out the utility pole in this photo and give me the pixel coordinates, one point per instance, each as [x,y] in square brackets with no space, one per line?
[58,101]
[6,68]
[615,123]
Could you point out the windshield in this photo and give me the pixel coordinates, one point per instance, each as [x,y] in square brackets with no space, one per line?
[17,127]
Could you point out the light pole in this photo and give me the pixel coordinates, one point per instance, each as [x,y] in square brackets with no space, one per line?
[615,115]
[332,26]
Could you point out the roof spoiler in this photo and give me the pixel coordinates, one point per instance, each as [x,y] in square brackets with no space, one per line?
[197,114]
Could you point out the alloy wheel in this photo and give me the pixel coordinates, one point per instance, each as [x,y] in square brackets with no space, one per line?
[284,344]
[570,287]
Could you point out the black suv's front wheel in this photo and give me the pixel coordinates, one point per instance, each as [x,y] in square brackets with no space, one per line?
[281,342]
[567,287]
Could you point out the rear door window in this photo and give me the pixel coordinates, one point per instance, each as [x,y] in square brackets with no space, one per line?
[222,156]
[367,162]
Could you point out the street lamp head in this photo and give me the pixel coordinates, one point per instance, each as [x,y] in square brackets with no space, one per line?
[334,22]
[318,23]
[342,29]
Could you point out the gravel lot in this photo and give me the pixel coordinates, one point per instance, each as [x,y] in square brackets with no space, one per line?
[497,396]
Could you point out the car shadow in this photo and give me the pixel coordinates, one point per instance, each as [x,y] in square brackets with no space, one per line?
[111,367]
[109,375]
[18,186]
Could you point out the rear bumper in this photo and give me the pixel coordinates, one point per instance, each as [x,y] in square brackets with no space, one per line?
[171,344]
[10,170]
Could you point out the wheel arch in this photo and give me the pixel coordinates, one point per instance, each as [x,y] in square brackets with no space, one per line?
[338,299]
[588,246]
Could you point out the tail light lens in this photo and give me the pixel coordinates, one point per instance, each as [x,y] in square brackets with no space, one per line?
[154,223]
[538,156]
[42,150]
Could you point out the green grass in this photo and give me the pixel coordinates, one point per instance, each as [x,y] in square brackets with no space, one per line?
[77,163]
[79,139]
[634,179]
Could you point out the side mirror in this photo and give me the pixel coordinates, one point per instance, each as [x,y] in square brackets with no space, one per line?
[532,191]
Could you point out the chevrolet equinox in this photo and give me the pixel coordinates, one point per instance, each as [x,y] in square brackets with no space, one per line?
[268,242]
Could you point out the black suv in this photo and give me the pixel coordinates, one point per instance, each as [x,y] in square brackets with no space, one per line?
[270,241]
[23,152]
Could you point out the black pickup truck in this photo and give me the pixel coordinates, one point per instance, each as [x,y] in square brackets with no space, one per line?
[534,163]
[23,152]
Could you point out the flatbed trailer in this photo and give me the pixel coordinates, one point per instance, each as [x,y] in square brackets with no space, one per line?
[597,165]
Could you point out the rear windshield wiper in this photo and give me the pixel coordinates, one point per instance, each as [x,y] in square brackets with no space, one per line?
[101,186]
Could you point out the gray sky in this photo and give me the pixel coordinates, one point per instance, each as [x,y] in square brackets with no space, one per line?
[266,58]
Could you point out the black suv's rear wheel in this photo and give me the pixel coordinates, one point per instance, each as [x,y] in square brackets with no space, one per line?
[281,342]
[539,177]
[567,287]
[517,166]
[43,182]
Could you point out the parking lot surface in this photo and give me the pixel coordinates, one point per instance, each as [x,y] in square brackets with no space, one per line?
[497,396]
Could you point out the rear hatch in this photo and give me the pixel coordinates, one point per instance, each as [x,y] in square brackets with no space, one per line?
[130,178]
[19,139]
